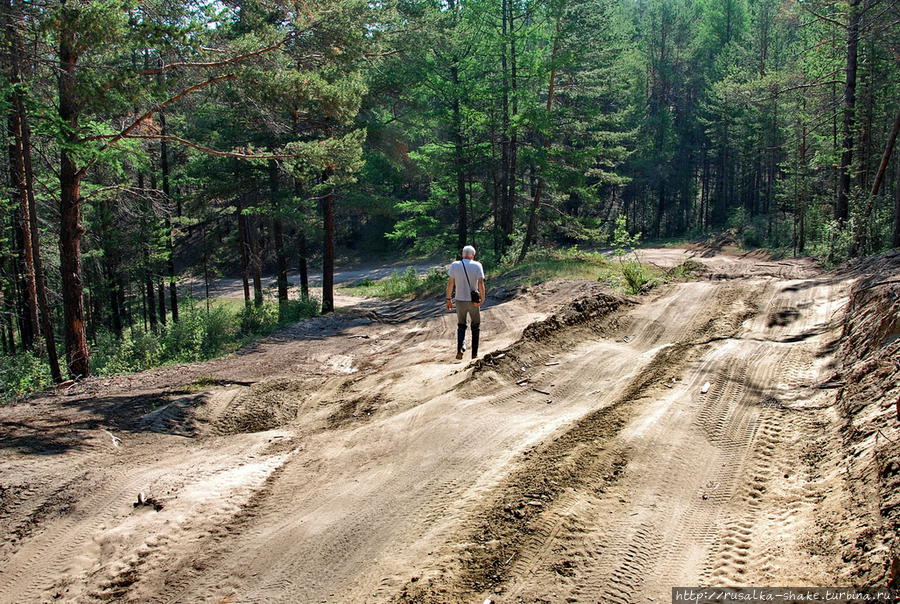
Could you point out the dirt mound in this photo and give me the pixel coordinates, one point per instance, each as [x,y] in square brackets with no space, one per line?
[540,338]
[263,406]
[713,244]
[869,401]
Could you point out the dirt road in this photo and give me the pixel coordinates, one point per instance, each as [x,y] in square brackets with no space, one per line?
[617,448]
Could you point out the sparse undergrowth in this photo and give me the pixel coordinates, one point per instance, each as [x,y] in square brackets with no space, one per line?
[627,274]
[199,335]
[408,283]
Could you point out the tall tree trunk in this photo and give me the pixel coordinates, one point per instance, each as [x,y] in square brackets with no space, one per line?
[116,313]
[20,200]
[459,158]
[71,231]
[22,174]
[895,240]
[278,233]
[303,263]
[842,205]
[531,229]
[8,308]
[149,296]
[255,262]
[328,249]
[860,238]
[161,291]
[24,309]
[506,219]
[512,168]
[660,207]
[170,235]
[245,253]
[46,317]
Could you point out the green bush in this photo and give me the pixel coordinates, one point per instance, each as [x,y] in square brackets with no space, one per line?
[21,374]
[402,284]
[197,336]
[292,311]
[636,276]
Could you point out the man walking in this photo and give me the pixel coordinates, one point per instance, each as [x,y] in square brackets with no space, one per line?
[467,279]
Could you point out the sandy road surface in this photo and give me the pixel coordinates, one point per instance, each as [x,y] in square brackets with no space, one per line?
[348,460]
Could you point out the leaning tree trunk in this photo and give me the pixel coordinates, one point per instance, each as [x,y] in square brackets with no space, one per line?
[70,231]
[860,238]
[842,205]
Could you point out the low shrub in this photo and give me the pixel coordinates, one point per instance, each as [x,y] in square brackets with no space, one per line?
[21,374]
[401,284]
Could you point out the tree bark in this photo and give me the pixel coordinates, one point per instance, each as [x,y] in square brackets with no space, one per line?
[531,230]
[46,318]
[22,174]
[20,201]
[71,231]
[505,215]
[278,233]
[860,239]
[161,291]
[328,249]
[895,240]
[303,263]
[842,204]
[170,236]
[459,157]
[255,262]
[512,168]
[245,255]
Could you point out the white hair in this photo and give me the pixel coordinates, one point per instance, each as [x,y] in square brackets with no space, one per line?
[468,252]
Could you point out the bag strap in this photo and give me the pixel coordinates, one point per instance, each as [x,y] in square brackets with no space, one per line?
[463,262]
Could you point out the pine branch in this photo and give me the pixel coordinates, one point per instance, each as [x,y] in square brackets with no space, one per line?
[113,138]
[231,60]
[199,147]
[822,17]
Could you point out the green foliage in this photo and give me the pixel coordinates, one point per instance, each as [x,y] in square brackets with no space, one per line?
[622,241]
[636,276]
[407,283]
[197,336]
[749,230]
[21,374]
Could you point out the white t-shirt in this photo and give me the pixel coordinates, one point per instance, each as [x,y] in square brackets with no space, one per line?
[465,287]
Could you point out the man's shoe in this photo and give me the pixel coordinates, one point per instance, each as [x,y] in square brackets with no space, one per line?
[474,355]
[459,355]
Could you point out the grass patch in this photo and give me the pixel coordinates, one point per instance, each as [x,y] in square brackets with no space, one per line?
[198,336]
[403,284]
[625,273]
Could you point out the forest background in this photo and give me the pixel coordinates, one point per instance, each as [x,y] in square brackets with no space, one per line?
[157,144]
